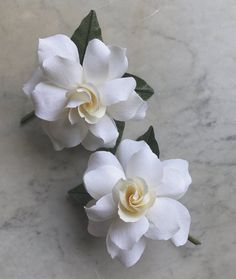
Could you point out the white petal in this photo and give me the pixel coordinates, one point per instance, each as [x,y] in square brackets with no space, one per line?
[100,181]
[118,63]
[114,91]
[49,101]
[127,148]
[105,129]
[103,210]
[96,62]
[125,235]
[63,134]
[91,142]
[126,257]
[145,164]
[133,108]
[62,72]
[59,45]
[36,78]
[176,179]
[103,158]
[163,219]
[98,229]
[184,220]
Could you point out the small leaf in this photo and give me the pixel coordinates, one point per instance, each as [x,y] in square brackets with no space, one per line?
[149,138]
[80,195]
[89,29]
[144,90]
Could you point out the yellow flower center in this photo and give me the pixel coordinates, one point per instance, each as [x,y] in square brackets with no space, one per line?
[134,198]
[84,101]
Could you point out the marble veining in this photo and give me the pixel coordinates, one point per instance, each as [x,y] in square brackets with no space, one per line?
[186,50]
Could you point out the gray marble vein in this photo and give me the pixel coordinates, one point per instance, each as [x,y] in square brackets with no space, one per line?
[186,49]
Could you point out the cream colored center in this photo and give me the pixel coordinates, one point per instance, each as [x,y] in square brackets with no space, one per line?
[134,198]
[84,101]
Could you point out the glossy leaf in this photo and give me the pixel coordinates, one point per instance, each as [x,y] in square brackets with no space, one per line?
[89,29]
[80,195]
[149,138]
[144,90]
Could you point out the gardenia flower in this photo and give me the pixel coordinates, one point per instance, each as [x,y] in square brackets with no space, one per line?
[77,103]
[134,198]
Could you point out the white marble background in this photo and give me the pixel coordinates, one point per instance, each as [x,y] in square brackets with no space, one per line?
[186,49]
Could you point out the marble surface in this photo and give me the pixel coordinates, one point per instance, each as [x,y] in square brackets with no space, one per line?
[186,49]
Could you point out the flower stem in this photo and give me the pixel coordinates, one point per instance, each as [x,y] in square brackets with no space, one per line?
[27,118]
[194,240]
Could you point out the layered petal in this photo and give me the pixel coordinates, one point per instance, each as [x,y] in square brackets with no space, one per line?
[96,62]
[63,134]
[133,108]
[127,148]
[126,257]
[145,164]
[103,210]
[98,229]
[49,101]
[103,158]
[105,129]
[184,220]
[118,62]
[57,45]
[36,78]
[125,235]
[100,181]
[176,179]
[163,219]
[117,90]
[62,72]
[92,142]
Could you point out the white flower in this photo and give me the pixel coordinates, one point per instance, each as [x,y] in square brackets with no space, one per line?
[77,103]
[134,198]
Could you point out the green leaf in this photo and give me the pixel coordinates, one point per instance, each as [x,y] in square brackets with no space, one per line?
[144,90]
[80,195]
[89,29]
[149,138]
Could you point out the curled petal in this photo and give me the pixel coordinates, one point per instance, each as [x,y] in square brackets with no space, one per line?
[125,235]
[184,220]
[103,158]
[126,257]
[117,90]
[127,149]
[145,164]
[163,219]
[62,72]
[96,62]
[49,101]
[176,179]
[118,62]
[63,134]
[133,108]
[100,181]
[104,209]
[105,129]
[57,45]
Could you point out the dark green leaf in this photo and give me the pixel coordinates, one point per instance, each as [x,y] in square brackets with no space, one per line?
[149,138]
[89,29]
[80,195]
[144,90]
